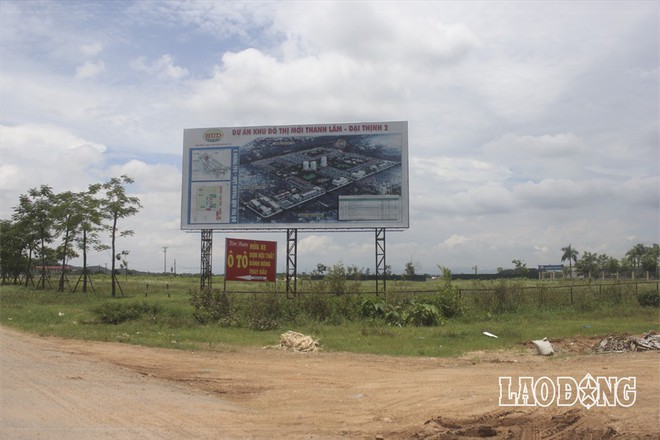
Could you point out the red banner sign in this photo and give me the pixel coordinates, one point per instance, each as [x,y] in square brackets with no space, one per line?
[250,260]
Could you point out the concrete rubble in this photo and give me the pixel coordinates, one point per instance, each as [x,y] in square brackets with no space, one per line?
[622,344]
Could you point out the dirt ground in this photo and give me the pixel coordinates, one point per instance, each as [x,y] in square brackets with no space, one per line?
[53,388]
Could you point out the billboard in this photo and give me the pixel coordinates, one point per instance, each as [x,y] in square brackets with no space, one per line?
[322,176]
[250,260]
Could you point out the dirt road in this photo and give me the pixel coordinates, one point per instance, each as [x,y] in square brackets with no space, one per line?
[54,388]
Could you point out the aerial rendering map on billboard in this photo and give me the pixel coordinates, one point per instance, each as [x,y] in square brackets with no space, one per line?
[322,176]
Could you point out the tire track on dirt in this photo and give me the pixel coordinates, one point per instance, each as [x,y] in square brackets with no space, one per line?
[49,394]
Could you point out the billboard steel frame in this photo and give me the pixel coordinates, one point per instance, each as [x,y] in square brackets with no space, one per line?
[206,270]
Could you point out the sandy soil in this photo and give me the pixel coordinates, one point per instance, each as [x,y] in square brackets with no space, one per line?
[53,388]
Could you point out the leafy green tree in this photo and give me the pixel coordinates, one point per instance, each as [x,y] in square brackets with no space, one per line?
[67,216]
[34,218]
[635,255]
[569,254]
[409,270]
[613,266]
[625,265]
[116,205]
[649,260]
[588,264]
[91,220]
[12,255]
[520,267]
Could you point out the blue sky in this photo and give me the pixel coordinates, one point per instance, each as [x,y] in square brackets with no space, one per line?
[532,125]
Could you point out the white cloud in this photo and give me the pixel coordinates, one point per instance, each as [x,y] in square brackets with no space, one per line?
[317,245]
[455,240]
[150,177]
[90,69]
[531,124]
[35,154]
[163,67]
[91,50]
[512,146]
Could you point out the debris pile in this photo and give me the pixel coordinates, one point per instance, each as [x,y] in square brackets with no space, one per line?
[298,342]
[622,344]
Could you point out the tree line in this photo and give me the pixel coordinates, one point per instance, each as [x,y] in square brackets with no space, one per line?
[51,228]
[639,259]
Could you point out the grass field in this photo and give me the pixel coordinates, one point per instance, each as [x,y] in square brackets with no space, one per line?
[157,311]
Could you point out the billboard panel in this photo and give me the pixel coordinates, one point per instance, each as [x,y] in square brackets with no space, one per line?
[323,176]
[250,260]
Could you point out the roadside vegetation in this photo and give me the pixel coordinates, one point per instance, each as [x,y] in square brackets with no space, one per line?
[432,318]
[416,316]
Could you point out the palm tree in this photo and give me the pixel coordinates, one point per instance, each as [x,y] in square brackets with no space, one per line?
[570,254]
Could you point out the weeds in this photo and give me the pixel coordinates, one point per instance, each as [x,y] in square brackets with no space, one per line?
[446,319]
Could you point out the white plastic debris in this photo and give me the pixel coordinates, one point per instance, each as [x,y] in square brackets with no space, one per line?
[490,335]
[544,347]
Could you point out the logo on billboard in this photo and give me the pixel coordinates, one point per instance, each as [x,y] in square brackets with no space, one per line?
[567,391]
[213,135]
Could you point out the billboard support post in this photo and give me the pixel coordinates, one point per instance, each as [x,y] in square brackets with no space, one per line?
[291,261]
[206,271]
[381,267]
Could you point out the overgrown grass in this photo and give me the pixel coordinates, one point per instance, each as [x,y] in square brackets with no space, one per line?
[158,312]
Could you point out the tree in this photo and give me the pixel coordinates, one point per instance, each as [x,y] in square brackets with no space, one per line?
[649,261]
[588,264]
[409,270]
[90,225]
[12,247]
[635,255]
[569,254]
[67,216]
[117,205]
[520,267]
[33,216]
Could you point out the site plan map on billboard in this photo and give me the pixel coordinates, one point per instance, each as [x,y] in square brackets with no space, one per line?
[323,176]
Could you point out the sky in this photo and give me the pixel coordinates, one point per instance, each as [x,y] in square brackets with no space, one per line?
[531,125]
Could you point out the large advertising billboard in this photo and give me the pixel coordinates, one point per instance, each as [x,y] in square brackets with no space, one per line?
[322,176]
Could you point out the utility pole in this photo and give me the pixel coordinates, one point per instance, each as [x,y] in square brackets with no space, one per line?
[165,260]
[475,269]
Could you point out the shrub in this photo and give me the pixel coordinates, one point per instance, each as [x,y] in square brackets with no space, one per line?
[419,314]
[116,312]
[648,299]
[265,311]
[211,305]
[448,300]
[373,308]
[336,279]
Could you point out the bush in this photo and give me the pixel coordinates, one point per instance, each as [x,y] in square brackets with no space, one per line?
[373,308]
[419,314]
[211,305]
[649,299]
[116,313]
[267,310]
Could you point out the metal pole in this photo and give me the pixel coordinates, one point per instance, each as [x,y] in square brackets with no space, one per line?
[206,271]
[291,261]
